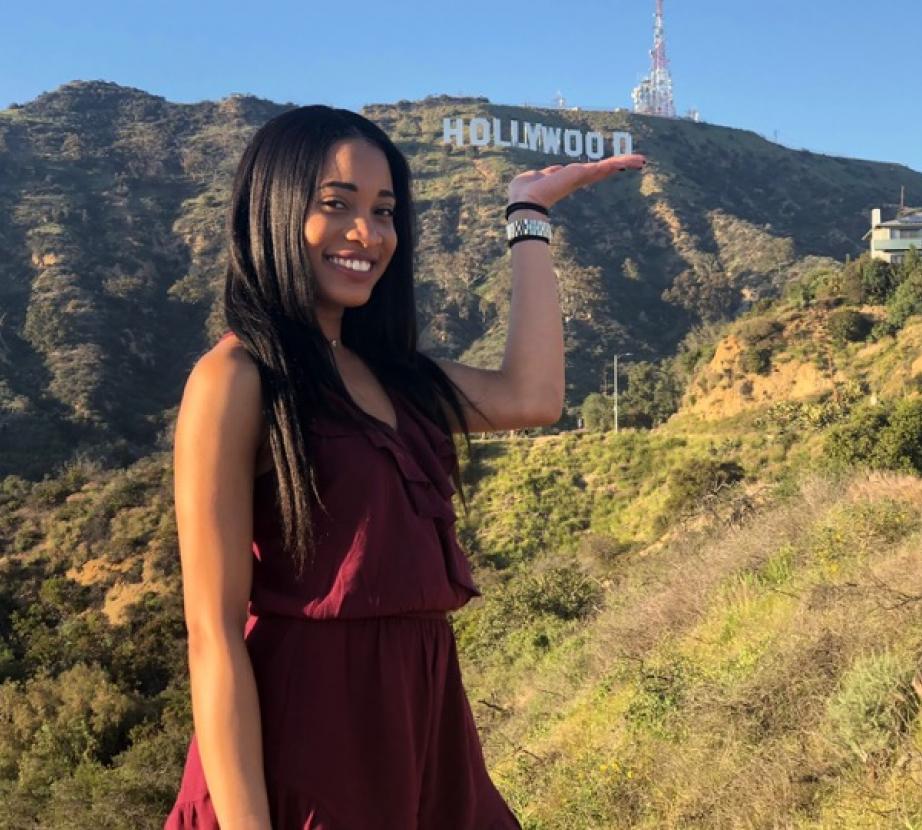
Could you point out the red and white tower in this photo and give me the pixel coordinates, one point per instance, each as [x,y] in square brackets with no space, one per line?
[653,95]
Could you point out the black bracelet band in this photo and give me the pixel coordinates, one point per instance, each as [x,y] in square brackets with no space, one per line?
[526,206]
[528,236]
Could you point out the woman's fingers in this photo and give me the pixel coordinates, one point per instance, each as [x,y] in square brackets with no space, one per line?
[553,183]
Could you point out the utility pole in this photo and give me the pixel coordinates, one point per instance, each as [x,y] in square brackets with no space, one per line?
[625,354]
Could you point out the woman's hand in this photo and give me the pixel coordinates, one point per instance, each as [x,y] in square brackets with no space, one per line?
[553,183]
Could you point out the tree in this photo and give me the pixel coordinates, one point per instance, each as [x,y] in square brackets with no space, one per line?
[878,281]
[597,413]
[907,299]
[848,326]
[651,396]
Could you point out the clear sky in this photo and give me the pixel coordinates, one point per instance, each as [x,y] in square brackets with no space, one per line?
[832,76]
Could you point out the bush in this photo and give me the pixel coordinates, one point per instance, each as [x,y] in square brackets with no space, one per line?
[906,300]
[885,436]
[651,396]
[877,281]
[874,705]
[597,412]
[756,360]
[58,722]
[867,280]
[698,478]
[562,593]
[756,331]
[900,446]
[847,326]
[760,335]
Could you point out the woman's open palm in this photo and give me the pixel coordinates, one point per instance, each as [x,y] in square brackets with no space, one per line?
[554,183]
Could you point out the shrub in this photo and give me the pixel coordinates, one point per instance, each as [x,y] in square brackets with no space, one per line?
[900,446]
[756,360]
[847,326]
[561,593]
[59,721]
[877,281]
[906,300]
[874,705]
[854,442]
[698,478]
[564,592]
[597,412]
[800,293]
[886,436]
[651,396]
[867,280]
[757,330]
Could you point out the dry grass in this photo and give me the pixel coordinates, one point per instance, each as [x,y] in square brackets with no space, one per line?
[711,673]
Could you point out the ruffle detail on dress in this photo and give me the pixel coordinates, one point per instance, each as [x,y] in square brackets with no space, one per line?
[289,809]
[430,496]
[425,468]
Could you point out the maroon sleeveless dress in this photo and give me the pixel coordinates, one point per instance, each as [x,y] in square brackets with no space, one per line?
[365,722]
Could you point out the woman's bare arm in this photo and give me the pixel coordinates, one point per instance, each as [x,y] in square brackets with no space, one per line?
[528,388]
[216,440]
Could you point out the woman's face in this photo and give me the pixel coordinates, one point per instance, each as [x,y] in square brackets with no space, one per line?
[349,228]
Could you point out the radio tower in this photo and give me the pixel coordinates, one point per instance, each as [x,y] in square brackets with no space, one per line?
[653,96]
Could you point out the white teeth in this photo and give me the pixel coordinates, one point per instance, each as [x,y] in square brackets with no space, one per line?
[354,264]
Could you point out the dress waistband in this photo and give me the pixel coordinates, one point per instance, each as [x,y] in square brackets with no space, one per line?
[413,615]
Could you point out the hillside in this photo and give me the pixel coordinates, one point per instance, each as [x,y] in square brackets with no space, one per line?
[111,216]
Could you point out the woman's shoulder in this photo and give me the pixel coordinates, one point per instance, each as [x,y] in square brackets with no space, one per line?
[221,411]
[228,375]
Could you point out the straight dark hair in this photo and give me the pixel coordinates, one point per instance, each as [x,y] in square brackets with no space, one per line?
[270,295]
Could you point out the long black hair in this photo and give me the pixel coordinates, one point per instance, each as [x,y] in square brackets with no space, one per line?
[269,298]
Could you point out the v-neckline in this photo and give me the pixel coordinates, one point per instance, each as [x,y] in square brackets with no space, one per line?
[395,429]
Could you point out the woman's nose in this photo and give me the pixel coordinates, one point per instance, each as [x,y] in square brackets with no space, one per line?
[363,231]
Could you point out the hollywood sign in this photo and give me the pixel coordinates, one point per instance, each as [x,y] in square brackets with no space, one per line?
[481,132]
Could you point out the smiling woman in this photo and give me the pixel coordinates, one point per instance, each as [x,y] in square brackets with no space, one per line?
[314,475]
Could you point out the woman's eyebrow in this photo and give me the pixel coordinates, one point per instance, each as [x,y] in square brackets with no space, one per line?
[354,189]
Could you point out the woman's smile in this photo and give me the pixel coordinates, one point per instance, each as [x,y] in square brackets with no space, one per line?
[352,264]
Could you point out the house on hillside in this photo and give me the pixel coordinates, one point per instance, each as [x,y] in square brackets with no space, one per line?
[891,240]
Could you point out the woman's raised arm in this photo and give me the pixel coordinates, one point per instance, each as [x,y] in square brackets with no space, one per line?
[528,388]
[216,440]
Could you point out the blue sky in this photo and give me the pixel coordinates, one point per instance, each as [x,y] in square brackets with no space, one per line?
[832,76]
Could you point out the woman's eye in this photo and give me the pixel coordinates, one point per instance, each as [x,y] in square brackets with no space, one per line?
[387,211]
[332,203]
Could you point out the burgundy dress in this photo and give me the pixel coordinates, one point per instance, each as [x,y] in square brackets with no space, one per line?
[365,722]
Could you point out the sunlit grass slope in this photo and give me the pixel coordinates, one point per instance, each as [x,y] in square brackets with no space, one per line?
[739,674]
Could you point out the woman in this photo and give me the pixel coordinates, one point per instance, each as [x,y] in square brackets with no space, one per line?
[325,686]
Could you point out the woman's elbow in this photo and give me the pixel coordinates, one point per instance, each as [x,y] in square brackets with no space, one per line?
[546,411]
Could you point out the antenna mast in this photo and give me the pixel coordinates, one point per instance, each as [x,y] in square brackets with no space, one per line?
[653,96]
